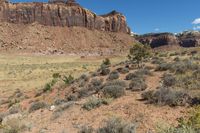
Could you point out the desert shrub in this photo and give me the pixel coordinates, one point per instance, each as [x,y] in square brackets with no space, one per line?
[138,74]
[174,54]
[96,84]
[104,71]
[117,125]
[106,62]
[47,87]
[157,60]
[113,91]
[59,101]
[115,83]
[142,72]
[169,80]
[138,53]
[164,54]
[72,97]
[131,76]
[15,109]
[166,96]
[36,106]
[83,93]
[84,77]
[113,75]
[95,103]
[177,59]
[163,67]
[86,129]
[189,125]
[56,75]
[123,70]
[60,109]
[137,84]
[68,79]
[180,67]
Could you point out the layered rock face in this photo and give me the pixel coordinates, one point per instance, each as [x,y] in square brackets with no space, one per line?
[189,39]
[61,13]
[185,39]
[158,39]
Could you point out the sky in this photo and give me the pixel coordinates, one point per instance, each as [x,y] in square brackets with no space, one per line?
[145,16]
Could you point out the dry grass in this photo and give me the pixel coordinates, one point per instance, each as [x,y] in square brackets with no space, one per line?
[28,72]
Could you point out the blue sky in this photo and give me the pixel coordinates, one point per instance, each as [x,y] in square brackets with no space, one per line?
[146,16]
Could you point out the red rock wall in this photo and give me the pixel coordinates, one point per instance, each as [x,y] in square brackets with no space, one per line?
[61,14]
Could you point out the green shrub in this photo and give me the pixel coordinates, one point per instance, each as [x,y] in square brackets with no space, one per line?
[138,53]
[36,106]
[117,125]
[113,91]
[137,84]
[113,75]
[56,75]
[106,62]
[68,79]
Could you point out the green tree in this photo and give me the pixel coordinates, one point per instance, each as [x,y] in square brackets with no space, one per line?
[138,52]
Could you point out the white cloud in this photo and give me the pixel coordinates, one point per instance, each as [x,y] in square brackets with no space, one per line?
[196,27]
[196,21]
[156,29]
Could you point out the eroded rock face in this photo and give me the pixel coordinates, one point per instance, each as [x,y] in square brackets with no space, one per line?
[59,13]
[158,39]
[185,39]
[189,39]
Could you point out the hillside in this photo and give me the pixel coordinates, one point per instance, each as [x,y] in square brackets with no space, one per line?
[61,28]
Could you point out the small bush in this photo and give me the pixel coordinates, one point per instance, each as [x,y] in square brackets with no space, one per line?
[169,80]
[86,129]
[95,103]
[113,91]
[137,85]
[56,75]
[166,96]
[47,87]
[117,125]
[113,75]
[68,79]
[104,71]
[131,76]
[96,84]
[163,67]
[115,83]
[123,70]
[83,93]
[106,62]
[36,106]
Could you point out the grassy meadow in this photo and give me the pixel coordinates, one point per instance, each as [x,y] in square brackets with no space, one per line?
[27,72]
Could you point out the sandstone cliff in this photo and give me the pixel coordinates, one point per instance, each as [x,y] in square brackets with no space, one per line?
[185,39]
[58,13]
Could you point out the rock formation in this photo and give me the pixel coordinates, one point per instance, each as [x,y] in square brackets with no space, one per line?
[158,39]
[185,39]
[61,13]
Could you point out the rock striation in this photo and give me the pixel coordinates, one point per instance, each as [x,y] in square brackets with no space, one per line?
[185,39]
[61,13]
[158,39]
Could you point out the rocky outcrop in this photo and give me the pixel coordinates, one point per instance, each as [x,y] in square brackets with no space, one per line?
[185,39]
[158,39]
[189,39]
[61,13]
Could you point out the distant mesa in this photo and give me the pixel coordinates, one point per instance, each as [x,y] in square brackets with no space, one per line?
[61,13]
[185,39]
